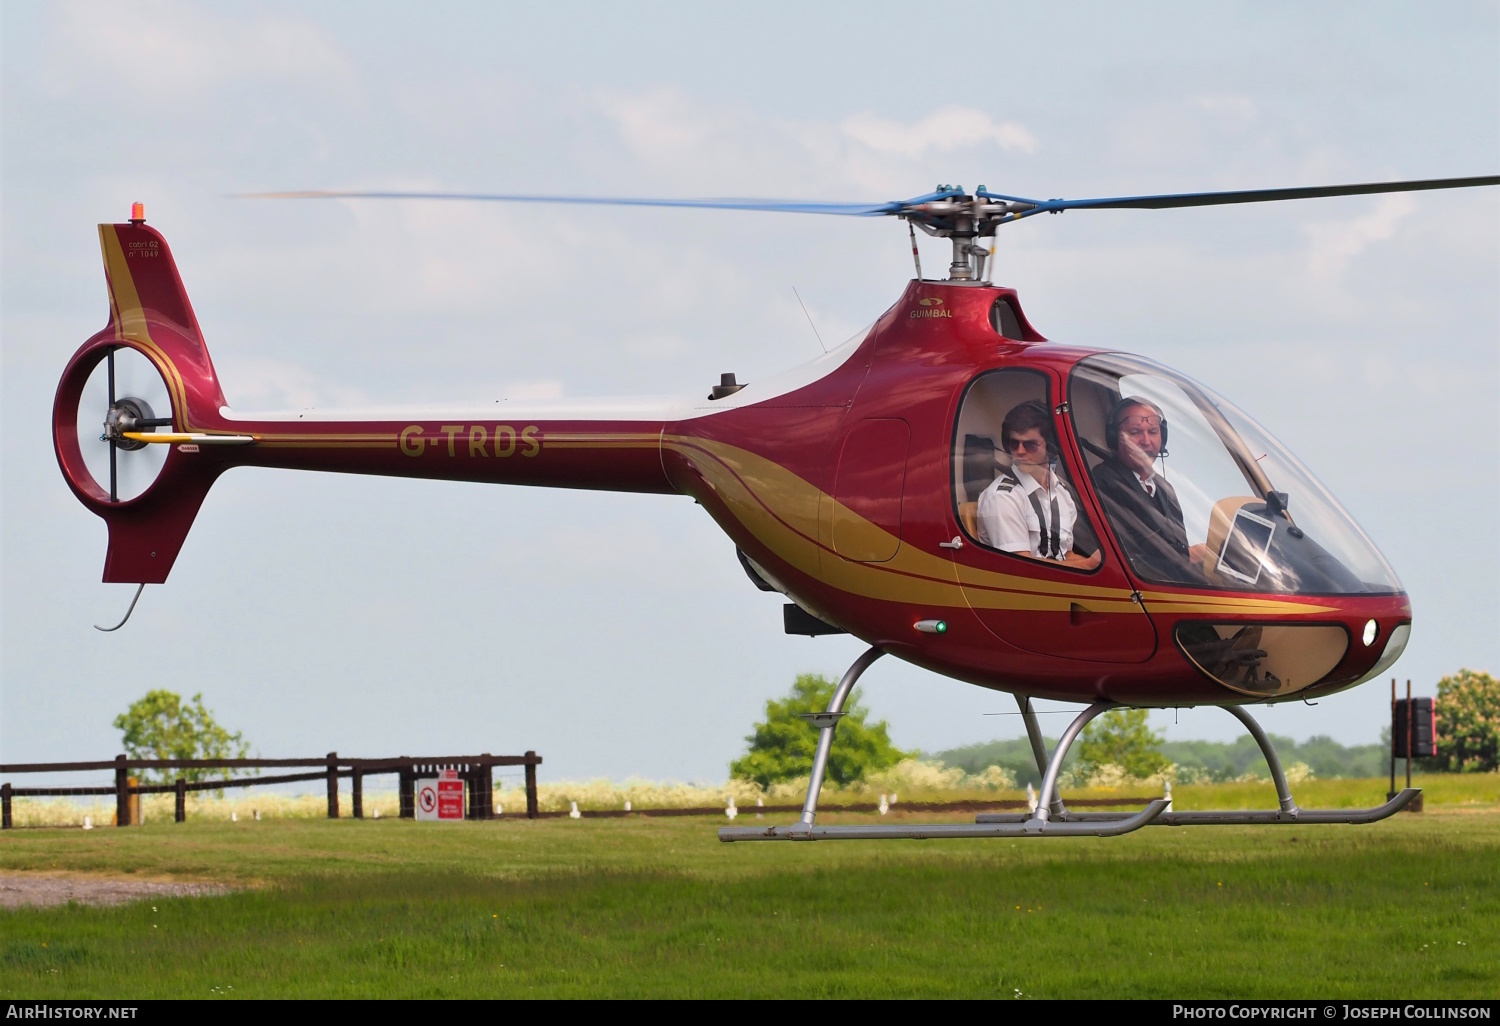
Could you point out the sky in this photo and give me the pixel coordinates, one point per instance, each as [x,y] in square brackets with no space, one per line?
[617,635]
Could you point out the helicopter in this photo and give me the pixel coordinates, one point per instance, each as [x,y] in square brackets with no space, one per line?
[1053,521]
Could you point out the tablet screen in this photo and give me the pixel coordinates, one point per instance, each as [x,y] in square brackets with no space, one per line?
[1244,549]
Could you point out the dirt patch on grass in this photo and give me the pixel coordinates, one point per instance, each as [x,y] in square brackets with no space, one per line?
[22,890]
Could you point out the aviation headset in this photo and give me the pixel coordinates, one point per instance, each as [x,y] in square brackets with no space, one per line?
[1007,428]
[1117,414]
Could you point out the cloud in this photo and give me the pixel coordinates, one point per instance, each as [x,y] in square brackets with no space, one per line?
[1332,244]
[945,129]
[169,49]
[263,383]
[682,137]
[1240,108]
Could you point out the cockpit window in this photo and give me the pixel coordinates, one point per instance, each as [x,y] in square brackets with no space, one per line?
[1199,494]
[1015,493]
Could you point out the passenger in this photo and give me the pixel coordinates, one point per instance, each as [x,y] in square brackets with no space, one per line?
[1142,504]
[1029,510]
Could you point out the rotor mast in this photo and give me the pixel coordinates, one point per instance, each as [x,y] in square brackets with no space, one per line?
[951,213]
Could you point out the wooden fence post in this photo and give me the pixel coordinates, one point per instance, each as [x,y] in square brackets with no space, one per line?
[5,822]
[531,785]
[333,785]
[180,815]
[122,792]
[484,778]
[407,792]
[357,789]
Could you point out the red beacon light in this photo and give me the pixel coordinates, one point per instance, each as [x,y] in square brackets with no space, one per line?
[137,213]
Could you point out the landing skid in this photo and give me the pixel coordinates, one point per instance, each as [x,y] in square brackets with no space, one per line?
[1050,818]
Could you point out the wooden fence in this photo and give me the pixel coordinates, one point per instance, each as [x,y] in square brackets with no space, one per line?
[477,772]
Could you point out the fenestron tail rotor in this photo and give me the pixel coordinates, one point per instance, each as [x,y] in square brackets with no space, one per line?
[947,212]
[124,396]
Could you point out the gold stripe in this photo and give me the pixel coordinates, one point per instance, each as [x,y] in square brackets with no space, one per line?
[326,445]
[352,437]
[130,320]
[787,514]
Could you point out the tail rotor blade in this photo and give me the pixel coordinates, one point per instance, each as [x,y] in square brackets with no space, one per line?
[139,467]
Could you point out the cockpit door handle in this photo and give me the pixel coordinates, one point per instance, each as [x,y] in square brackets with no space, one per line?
[956,543]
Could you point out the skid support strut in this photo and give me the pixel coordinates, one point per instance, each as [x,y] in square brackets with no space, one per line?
[827,722]
[1038,748]
[1017,826]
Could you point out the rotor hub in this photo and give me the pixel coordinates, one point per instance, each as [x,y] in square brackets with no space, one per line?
[127,414]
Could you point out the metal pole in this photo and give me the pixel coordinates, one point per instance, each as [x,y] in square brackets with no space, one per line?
[531,785]
[1049,782]
[1283,792]
[333,785]
[1410,720]
[1392,792]
[122,792]
[825,736]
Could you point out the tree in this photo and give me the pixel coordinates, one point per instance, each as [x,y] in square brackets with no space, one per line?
[782,747]
[161,726]
[1468,722]
[1121,738]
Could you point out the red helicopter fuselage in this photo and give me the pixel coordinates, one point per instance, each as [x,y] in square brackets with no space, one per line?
[837,482]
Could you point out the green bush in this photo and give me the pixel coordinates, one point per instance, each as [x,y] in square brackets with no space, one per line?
[1468,722]
[1121,738]
[782,747]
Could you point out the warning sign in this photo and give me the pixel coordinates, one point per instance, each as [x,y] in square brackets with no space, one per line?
[440,798]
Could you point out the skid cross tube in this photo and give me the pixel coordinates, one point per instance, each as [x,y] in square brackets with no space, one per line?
[829,722]
[1038,746]
[1049,782]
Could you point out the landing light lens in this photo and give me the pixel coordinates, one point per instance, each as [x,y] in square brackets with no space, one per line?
[1371,629]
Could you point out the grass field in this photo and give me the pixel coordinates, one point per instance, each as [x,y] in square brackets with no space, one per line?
[640,907]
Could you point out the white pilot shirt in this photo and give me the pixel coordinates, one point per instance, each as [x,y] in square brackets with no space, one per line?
[1007,516]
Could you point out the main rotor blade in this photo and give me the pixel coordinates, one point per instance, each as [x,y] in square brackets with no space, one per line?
[1212,199]
[778,206]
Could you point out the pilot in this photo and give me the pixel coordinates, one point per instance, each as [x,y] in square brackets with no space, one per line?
[1141,503]
[1029,510]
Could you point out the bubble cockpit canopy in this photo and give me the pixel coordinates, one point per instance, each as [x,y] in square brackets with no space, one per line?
[1200,495]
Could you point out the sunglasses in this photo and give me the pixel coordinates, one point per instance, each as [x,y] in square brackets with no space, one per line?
[1028,444]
